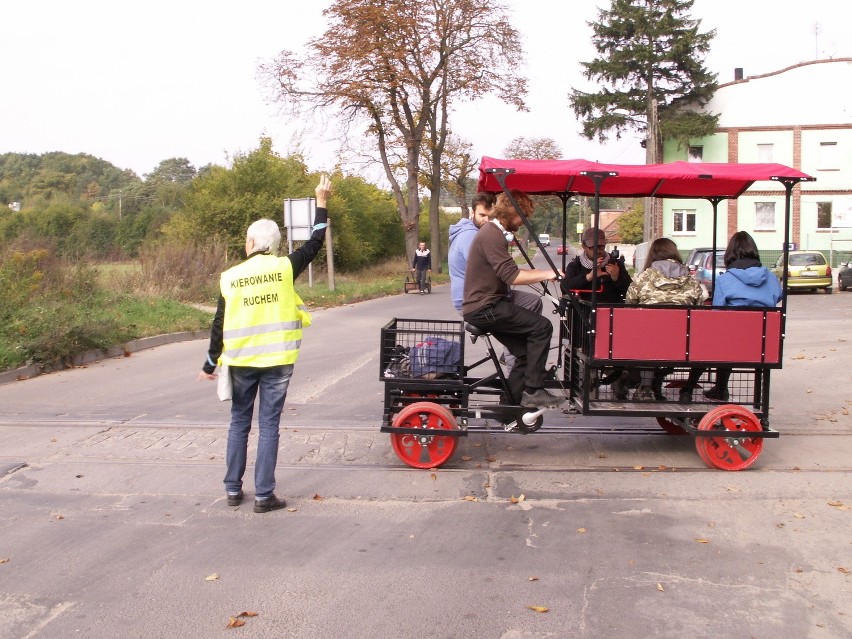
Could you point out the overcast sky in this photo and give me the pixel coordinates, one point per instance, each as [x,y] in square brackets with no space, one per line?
[137,82]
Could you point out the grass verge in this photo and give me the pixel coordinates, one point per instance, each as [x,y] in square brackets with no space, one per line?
[55,310]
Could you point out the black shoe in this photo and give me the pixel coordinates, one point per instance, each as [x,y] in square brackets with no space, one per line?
[235,499]
[716,393]
[540,398]
[270,503]
[618,389]
[642,394]
[685,395]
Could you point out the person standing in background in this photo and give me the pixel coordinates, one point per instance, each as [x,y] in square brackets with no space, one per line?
[421,266]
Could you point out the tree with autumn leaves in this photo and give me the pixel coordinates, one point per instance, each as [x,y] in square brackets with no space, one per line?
[395,68]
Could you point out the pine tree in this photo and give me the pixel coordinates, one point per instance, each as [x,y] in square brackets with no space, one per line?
[650,63]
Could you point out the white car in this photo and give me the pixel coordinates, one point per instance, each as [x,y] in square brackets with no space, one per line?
[544,239]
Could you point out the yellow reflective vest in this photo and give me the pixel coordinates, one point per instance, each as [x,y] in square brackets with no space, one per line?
[264,315]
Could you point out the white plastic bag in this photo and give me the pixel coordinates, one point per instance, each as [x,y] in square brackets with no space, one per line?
[223,383]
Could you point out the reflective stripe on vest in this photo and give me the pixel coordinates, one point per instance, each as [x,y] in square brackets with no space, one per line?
[263,314]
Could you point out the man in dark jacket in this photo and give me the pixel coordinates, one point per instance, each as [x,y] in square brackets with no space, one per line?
[611,275]
[421,265]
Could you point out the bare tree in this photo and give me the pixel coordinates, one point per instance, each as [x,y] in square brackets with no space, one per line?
[533,149]
[398,66]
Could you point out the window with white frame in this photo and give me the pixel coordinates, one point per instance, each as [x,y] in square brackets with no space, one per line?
[695,154]
[828,157]
[684,220]
[764,216]
[764,152]
[823,215]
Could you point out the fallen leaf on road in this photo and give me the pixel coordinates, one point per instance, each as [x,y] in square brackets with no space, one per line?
[434,476]
[212,577]
[466,457]
[533,579]
[538,608]
[601,455]
[247,614]
[491,459]
[291,510]
[581,530]
[702,541]
[517,500]
[839,505]
[317,497]
[660,587]
[469,498]
[59,516]
[233,622]
[798,516]
[4,560]
[638,468]
[845,571]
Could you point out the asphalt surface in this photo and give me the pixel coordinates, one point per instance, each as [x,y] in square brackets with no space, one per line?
[115,523]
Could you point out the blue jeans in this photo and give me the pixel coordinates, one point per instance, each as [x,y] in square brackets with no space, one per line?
[272,384]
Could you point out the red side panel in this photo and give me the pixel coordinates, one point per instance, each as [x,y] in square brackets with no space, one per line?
[642,333]
[735,336]
[689,334]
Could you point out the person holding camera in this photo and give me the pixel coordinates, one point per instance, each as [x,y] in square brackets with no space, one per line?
[613,279]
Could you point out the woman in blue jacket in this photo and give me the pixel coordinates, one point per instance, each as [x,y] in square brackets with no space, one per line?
[746,282]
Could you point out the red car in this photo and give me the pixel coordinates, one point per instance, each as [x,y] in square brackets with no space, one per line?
[562,248]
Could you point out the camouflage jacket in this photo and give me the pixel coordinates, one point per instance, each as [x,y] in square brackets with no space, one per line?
[665,282]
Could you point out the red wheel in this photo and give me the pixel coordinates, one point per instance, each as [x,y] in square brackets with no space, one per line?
[735,450]
[426,450]
[671,426]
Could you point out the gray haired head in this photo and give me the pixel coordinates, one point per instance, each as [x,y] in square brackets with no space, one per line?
[265,235]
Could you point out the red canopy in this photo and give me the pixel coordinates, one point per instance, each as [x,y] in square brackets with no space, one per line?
[676,179]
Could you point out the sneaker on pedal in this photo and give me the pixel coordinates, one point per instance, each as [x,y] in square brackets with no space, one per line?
[540,398]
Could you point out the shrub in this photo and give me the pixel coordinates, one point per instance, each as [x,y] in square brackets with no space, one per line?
[189,273]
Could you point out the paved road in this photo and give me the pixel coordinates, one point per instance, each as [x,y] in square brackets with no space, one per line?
[114,518]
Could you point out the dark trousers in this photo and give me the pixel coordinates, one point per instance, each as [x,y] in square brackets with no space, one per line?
[525,334]
[420,277]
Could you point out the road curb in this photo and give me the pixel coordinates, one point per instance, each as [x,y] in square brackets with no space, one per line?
[26,372]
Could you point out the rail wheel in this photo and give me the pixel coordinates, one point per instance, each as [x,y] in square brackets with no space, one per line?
[671,425]
[427,450]
[734,450]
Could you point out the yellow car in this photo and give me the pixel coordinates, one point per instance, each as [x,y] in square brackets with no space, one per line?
[806,270]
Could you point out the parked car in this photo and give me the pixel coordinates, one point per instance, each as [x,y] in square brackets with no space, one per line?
[844,276]
[696,257]
[704,271]
[806,270]
[562,248]
[544,239]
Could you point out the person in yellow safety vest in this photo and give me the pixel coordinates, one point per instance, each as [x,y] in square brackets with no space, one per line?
[257,331]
